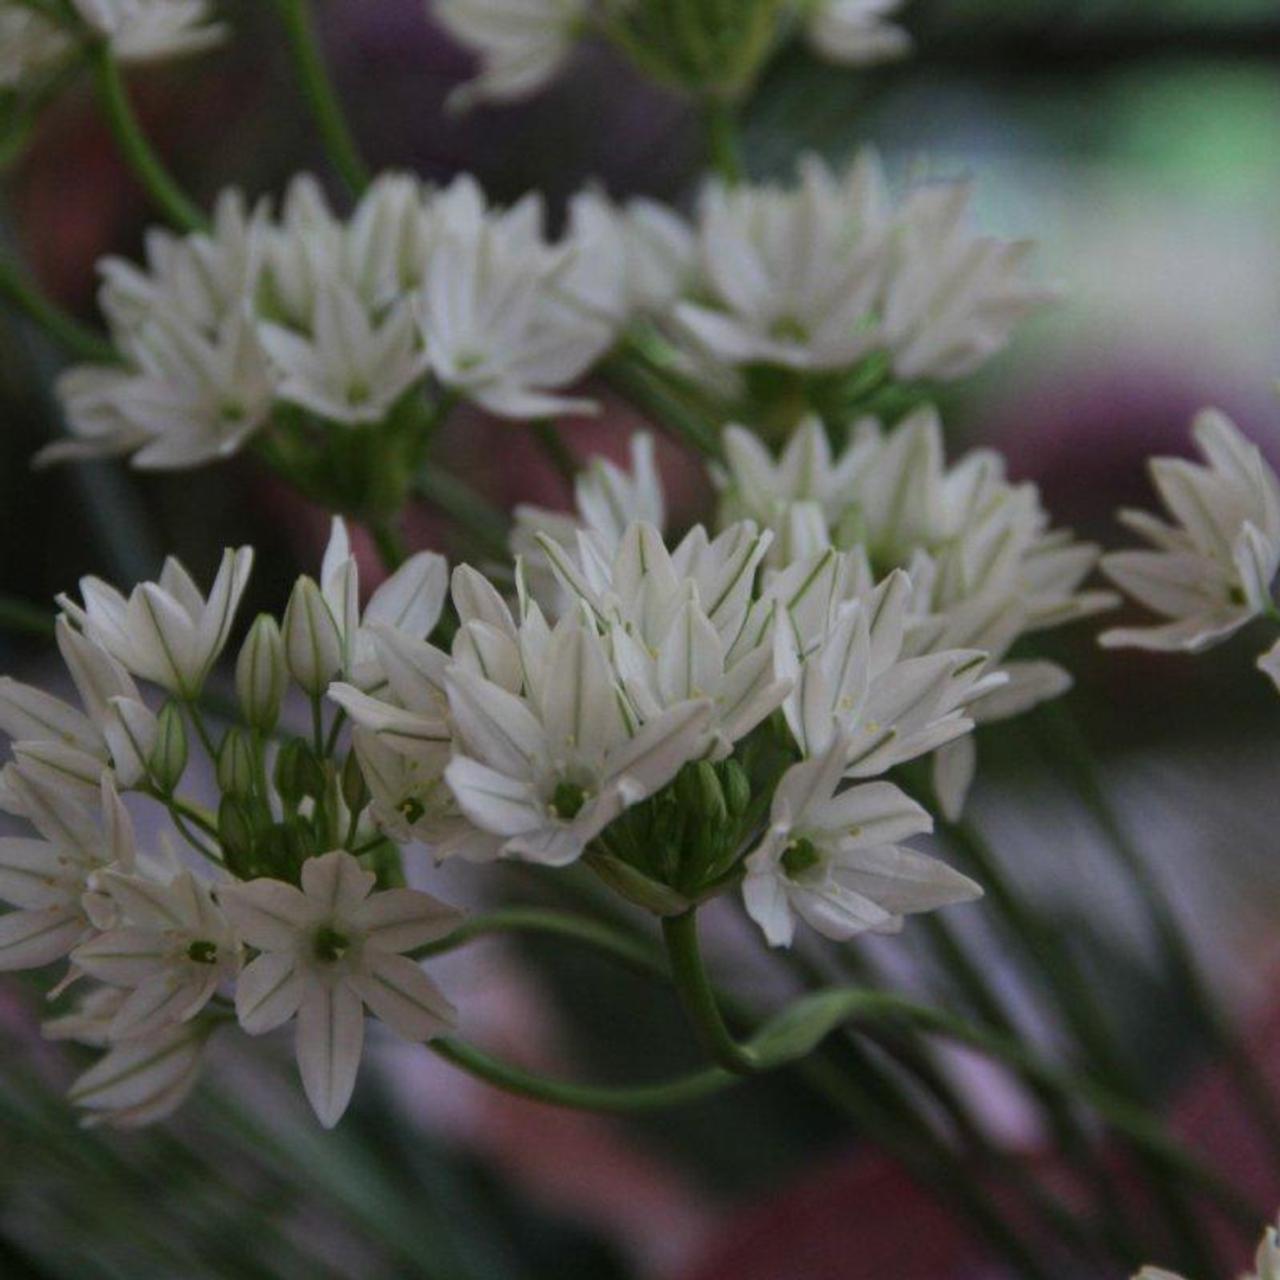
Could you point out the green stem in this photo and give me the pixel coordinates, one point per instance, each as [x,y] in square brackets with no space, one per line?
[582,1097]
[563,924]
[142,159]
[390,544]
[26,298]
[552,444]
[1069,750]
[202,732]
[698,998]
[462,504]
[30,619]
[1068,985]
[326,108]
[644,385]
[723,145]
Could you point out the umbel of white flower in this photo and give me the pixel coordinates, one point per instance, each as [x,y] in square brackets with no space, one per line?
[285,324]
[1211,570]
[820,275]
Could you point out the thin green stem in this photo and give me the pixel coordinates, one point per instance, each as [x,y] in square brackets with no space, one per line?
[317,725]
[30,619]
[147,167]
[644,385]
[322,98]
[390,544]
[723,145]
[583,1097]
[25,297]
[552,444]
[1069,750]
[485,523]
[698,998]
[202,731]
[636,954]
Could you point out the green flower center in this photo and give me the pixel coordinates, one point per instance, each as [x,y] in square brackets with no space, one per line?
[412,810]
[800,856]
[330,945]
[203,952]
[567,800]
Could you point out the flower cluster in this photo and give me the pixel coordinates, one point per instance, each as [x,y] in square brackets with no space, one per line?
[35,41]
[682,720]
[523,45]
[306,320]
[1213,570]
[823,275]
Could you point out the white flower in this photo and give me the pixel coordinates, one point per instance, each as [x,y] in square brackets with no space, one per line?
[857,33]
[675,623]
[171,949]
[952,299]
[408,602]
[143,1080]
[985,567]
[30,45]
[149,30]
[548,771]
[496,328]
[850,673]
[521,44]
[327,950]
[166,631]
[832,857]
[115,727]
[1213,569]
[607,502]
[350,369]
[792,276]
[50,880]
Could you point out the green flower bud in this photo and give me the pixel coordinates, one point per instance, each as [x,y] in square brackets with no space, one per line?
[312,642]
[237,835]
[711,804]
[297,773]
[737,788]
[168,760]
[355,791]
[237,764]
[261,674]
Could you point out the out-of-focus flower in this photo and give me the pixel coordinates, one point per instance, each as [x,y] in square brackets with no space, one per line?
[151,30]
[792,275]
[167,632]
[115,728]
[171,951]
[857,33]
[832,857]
[141,1081]
[952,299]
[350,370]
[1212,570]
[496,328]
[30,45]
[327,950]
[50,880]
[521,44]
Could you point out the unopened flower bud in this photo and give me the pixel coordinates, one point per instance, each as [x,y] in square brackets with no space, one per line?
[355,791]
[237,764]
[261,674]
[236,834]
[312,644]
[712,803]
[736,786]
[168,760]
[297,773]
